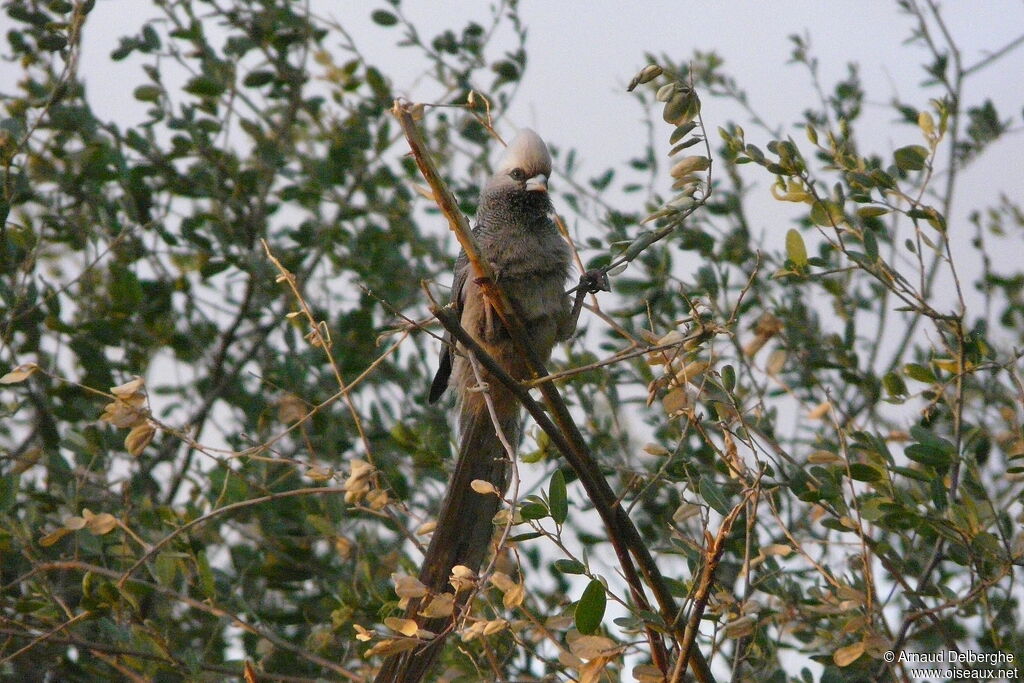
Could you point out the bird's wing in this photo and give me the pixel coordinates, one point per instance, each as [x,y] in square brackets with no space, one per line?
[444,366]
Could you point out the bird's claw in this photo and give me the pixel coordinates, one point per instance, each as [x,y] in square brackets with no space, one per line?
[594,281]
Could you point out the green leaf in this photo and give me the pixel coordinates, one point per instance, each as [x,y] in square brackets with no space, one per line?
[255,79]
[932,440]
[919,373]
[911,157]
[570,566]
[872,211]
[862,472]
[796,251]
[870,246]
[206,582]
[533,511]
[166,566]
[930,449]
[712,495]
[147,93]
[826,214]
[728,378]
[894,385]
[590,609]
[557,500]
[204,86]
[384,18]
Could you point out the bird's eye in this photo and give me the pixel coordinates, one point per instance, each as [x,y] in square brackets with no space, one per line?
[517,174]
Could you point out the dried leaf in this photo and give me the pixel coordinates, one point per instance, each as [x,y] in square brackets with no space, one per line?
[129,388]
[495,626]
[737,628]
[75,523]
[776,361]
[392,646]
[514,596]
[483,487]
[101,524]
[408,586]
[502,581]
[138,438]
[675,401]
[592,670]
[656,449]
[377,499]
[648,673]
[407,627]
[125,413]
[819,411]
[442,605]
[589,647]
[320,473]
[823,458]
[845,656]
[19,374]
[54,536]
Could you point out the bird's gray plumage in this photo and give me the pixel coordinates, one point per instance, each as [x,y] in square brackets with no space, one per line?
[516,234]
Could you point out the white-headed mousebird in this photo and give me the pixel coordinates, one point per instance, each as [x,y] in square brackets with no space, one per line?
[530,260]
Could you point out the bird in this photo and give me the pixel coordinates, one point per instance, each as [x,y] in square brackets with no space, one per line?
[530,261]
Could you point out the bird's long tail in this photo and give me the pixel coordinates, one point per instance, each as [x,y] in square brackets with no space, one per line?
[464,525]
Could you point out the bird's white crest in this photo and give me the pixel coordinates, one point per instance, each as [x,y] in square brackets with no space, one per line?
[528,152]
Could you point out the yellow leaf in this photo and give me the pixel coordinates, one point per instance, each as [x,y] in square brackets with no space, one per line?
[655,449]
[377,499]
[675,401]
[407,627]
[408,586]
[54,536]
[138,438]
[442,605]
[692,371]
[648,673]
[689,165]
[589,647]
[101,524]
[514,596]
[823,458]
[737,628]
[19,374]
[320,473]
[74,523]
[845,656]
[592,670]
[778,549]
[128,388]
[776,361]
[819,411]
[492,627]
[483,487]
[502,581]
[392,646]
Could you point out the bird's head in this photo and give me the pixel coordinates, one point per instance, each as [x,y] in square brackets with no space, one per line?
[521,176]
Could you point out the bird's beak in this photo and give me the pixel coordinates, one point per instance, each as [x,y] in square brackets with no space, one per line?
[538,183]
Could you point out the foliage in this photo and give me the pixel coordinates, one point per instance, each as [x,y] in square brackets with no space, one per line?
[216,444]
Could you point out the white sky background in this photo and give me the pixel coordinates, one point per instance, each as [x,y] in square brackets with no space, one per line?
[581,56]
